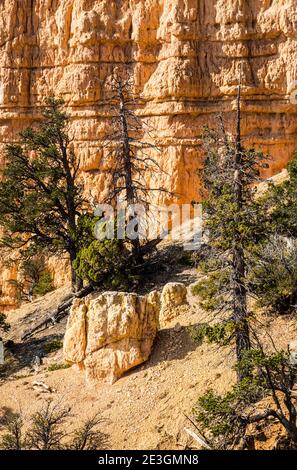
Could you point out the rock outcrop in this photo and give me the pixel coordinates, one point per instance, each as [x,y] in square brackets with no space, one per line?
[110,333]
[184,56]
[174,295]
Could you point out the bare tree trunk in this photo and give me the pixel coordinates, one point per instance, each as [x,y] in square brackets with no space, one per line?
[129,186]
[239,289]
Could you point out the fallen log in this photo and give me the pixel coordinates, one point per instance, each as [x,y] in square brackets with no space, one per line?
[58,314]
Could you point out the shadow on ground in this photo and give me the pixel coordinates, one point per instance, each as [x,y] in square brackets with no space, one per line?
[22,355]
[171,344]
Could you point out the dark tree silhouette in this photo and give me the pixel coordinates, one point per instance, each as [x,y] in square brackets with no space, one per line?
[40,198]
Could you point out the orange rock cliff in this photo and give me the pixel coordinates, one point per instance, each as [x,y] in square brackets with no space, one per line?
[184,56]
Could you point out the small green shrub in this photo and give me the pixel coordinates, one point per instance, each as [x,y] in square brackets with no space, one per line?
[10,365]
[35,279]
[57,366]
[52,346]
[223,415]
[12,439]
[104,262]
[219,333]
[211,289]
[44,284]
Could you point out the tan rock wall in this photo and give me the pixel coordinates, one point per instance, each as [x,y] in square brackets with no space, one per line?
[184,56]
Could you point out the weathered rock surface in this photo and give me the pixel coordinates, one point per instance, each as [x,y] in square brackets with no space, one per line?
[174,295]
[110,333]
[293,352]
[184,56]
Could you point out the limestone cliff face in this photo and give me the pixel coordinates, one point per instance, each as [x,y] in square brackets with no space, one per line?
[184,55]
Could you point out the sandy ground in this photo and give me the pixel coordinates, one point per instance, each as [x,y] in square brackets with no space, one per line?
[146,408]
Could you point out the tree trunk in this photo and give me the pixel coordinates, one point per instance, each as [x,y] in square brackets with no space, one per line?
[239,289]
[129,186]
[240,304]
[76,282]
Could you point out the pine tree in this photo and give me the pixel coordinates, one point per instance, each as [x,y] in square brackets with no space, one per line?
[267,392]
[232,220]
[40,198]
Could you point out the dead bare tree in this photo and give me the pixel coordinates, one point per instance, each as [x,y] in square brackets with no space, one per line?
[48,431]
[12,424]
[129,153]
[88,437]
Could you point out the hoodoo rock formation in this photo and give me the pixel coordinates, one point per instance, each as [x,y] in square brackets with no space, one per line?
[110,333]
[174,295]
[184,56]
[107,334]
